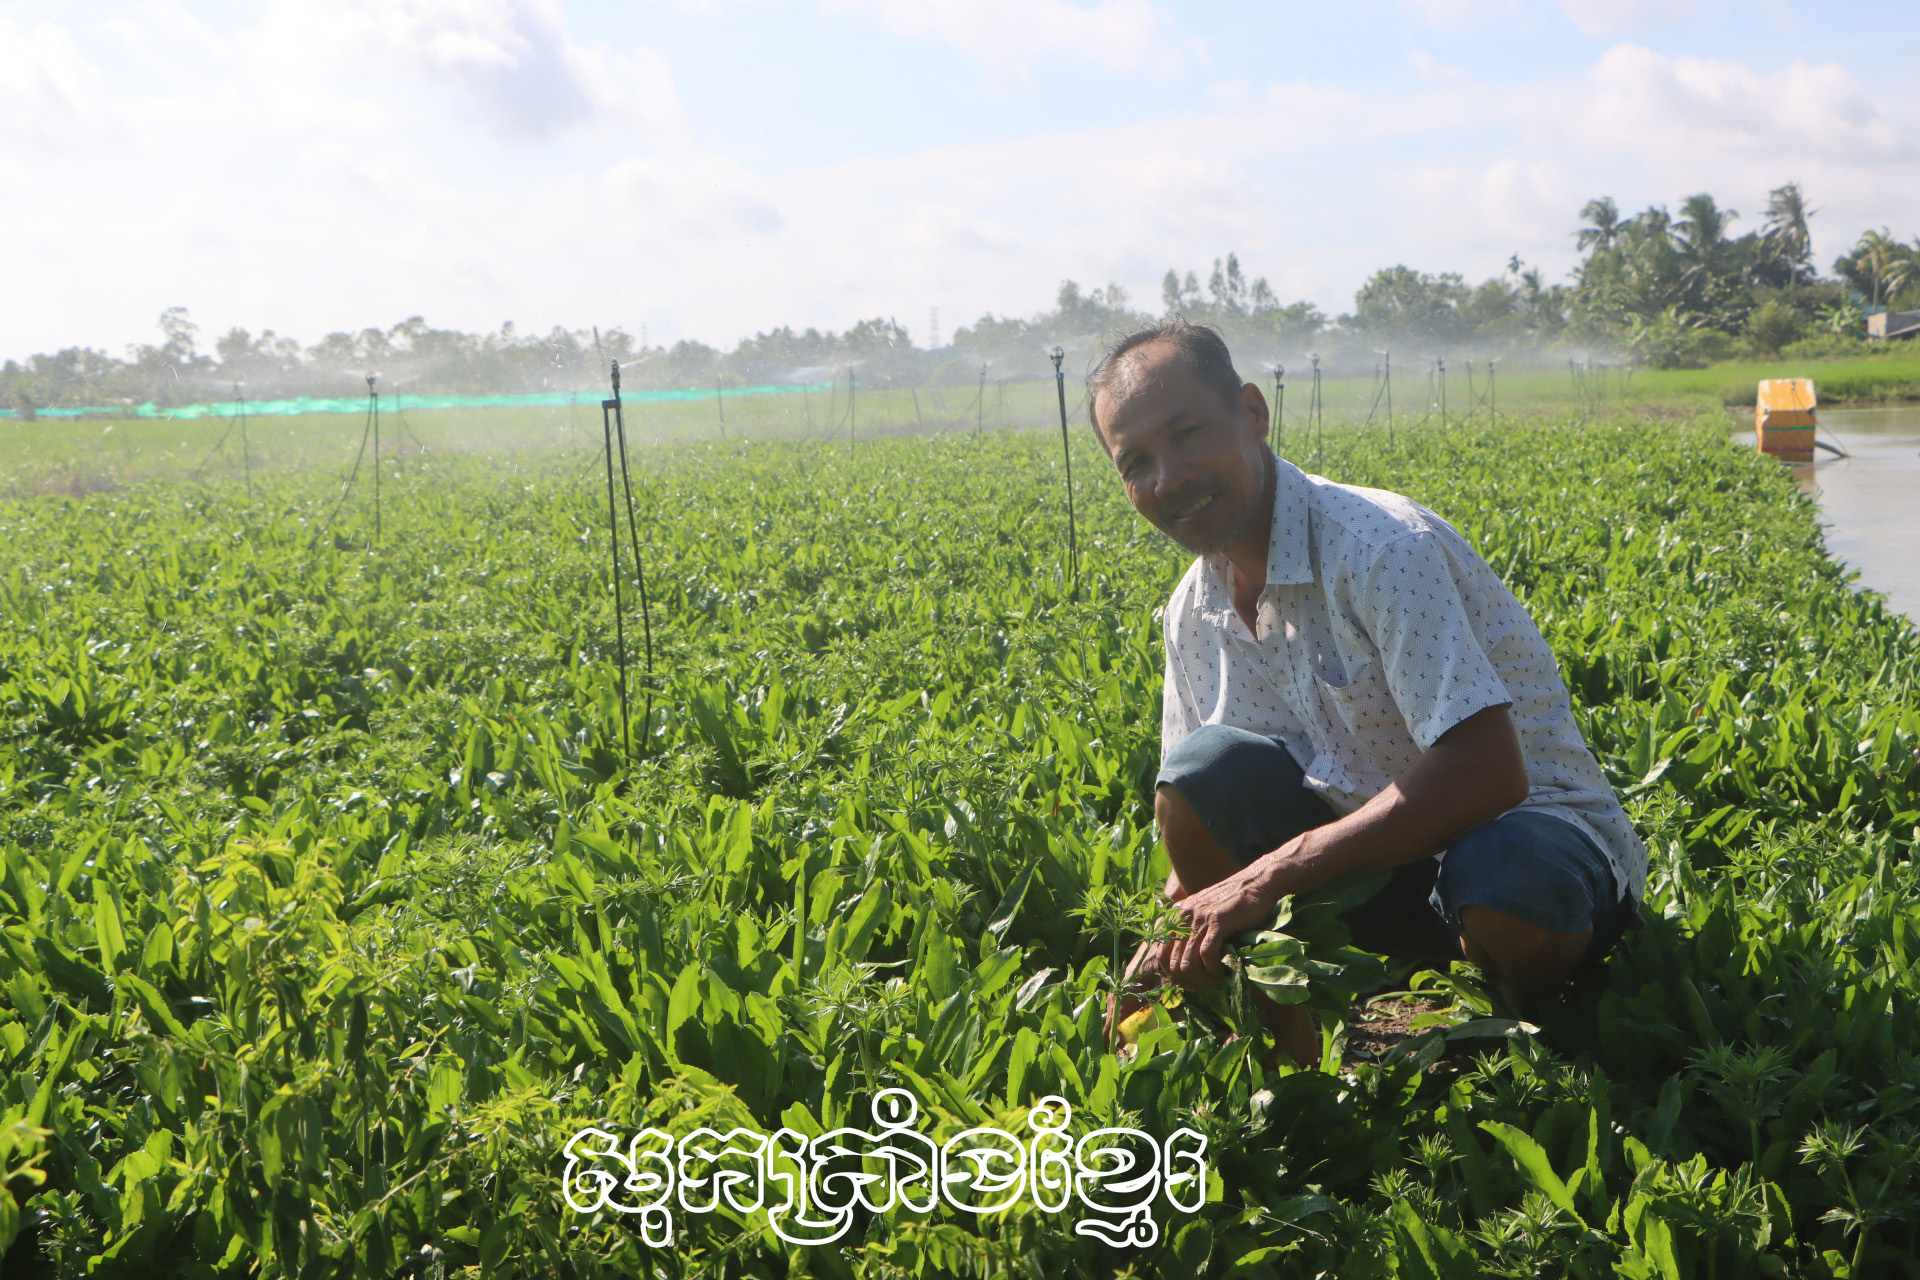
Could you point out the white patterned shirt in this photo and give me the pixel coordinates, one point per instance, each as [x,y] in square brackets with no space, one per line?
[1380,628]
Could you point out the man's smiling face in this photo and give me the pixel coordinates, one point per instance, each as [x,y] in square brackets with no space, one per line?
[1193,464]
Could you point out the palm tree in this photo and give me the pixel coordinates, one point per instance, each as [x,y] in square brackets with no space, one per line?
[1702,230]
[1654,224]
[1880,256]
[1604,214]
[1786,227]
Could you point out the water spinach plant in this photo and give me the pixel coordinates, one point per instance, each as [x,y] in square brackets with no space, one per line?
[330,906]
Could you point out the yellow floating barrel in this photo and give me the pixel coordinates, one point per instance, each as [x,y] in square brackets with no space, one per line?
[1783,418]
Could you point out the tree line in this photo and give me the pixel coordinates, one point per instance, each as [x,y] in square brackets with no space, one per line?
[1662,288]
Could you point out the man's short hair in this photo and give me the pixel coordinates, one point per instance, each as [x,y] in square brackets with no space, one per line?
[1200,349]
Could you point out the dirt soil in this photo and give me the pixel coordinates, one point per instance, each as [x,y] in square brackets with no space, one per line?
[1375,1027]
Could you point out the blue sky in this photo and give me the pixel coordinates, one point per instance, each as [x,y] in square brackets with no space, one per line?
[712,168]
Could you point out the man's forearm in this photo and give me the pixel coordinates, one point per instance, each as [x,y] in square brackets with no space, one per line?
[1471,776]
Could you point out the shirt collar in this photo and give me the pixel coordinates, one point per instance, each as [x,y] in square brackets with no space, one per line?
[1289,562]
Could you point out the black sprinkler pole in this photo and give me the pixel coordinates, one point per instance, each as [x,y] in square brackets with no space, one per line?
[246,456]
[639,568]
[1066,449]
[607,409]
[373,415]
[1386,358]
[1279,407]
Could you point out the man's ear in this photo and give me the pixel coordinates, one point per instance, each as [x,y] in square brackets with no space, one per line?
[1253,403]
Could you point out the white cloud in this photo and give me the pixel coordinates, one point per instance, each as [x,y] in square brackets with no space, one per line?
[1464,13]
[1701,108]
[1615,17]
[1610,17]
[513,64]
[1431,68]
[1006,35]
[50,94]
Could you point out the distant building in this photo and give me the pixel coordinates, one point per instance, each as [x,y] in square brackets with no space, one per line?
[1893,324]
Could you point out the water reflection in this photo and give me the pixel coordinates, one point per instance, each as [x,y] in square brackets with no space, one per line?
[1868,501]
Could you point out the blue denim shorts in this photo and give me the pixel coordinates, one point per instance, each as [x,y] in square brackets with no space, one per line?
[1251,796]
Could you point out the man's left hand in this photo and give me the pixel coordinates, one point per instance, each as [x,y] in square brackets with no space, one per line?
[1213,915]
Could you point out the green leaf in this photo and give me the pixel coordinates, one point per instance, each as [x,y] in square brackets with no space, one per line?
[158,951]
[106,928]
[1535,1167]
[152,1003]
[1003,915]
[1440,1254]
[1192,1245]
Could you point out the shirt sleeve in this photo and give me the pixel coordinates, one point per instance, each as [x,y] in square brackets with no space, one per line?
[1410,603]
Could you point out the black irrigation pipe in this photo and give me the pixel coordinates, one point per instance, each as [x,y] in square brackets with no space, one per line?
[1373,405]
[614,428]
[238,424]
[372,429]
[1385,390]
[1487,397]
[407,427]
[1066,448]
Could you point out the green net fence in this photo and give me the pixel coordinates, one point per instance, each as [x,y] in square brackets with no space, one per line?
[358,404]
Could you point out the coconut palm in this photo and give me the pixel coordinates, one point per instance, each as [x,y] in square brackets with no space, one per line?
[1702,229]
[1884,262]
[1604,215]
[1653,224]
[1785,230]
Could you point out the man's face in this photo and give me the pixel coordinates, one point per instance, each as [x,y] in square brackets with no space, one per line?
[1193,464]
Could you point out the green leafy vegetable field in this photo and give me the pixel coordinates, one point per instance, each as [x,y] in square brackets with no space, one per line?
[329,911]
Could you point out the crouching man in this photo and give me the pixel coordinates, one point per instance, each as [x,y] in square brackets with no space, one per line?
[1349,687]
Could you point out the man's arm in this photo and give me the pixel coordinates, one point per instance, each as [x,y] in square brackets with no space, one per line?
[1472,774]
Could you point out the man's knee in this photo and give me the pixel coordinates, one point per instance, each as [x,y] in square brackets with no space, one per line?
[1197,858]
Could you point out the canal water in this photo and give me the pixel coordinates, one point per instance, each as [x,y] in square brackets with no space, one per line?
[1870,502]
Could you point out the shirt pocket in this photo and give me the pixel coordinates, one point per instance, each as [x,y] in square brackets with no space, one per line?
[1361,702]
[1362,716]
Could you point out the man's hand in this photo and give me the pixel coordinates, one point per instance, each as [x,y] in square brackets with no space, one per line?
[1213,915]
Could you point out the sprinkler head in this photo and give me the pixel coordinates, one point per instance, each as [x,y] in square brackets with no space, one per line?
[1058,354]
[371,378]
[616,377]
